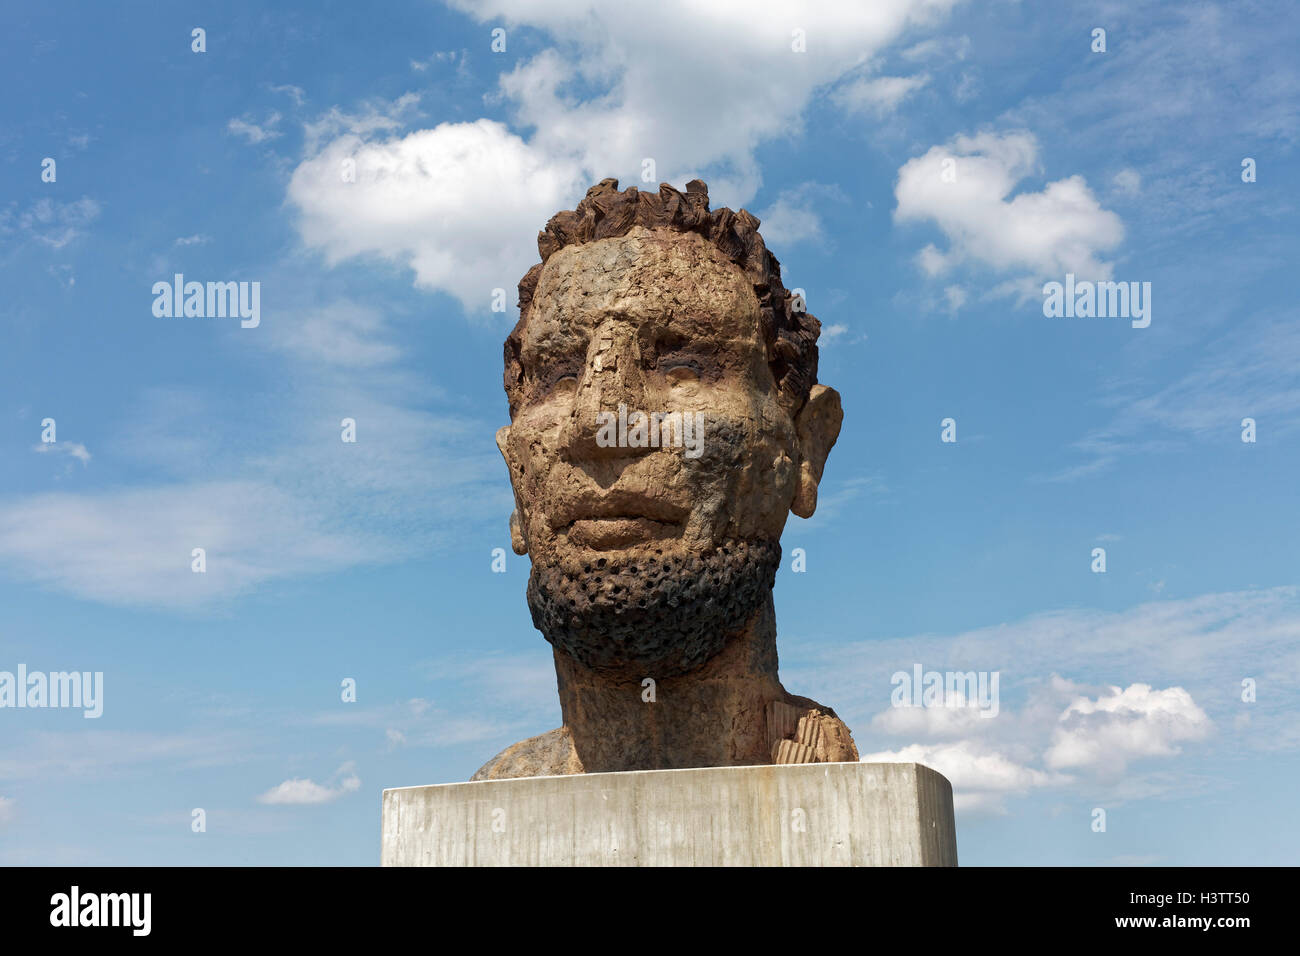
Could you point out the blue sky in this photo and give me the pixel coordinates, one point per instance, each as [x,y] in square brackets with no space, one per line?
[372,560]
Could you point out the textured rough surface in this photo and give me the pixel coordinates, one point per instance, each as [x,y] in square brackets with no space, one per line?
[653,558]
[820,814]
[597,614]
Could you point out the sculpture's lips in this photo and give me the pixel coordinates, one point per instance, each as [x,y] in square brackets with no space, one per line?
[620,521]
[605,534]
[619,506]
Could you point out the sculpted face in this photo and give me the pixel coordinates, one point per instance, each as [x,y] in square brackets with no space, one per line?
[651,557]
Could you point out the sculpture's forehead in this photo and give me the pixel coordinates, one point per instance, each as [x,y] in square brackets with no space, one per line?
[646,276]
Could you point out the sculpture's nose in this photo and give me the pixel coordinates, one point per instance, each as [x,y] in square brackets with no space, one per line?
[611,377]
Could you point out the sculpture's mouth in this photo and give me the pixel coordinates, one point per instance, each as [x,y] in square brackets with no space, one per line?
[605,534]
[621,521]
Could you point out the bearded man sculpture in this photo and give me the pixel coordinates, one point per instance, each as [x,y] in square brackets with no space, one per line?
[664,417]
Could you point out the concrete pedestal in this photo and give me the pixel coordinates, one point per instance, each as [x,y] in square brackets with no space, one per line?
[836,814]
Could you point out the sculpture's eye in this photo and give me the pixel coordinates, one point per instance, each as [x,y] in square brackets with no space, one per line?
[682,374]
[674,359]
[550,379]
[562,379]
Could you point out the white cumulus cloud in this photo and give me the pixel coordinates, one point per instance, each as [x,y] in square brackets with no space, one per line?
[1124,725]
[966,187]
[461,203]
[981,776]
[300,791]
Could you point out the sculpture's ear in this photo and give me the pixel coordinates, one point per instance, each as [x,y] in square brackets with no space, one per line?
[518,543]
[818,425]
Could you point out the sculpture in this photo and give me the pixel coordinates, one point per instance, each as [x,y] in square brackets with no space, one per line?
[665,417]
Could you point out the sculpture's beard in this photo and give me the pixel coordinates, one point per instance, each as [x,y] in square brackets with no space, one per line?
[652,615]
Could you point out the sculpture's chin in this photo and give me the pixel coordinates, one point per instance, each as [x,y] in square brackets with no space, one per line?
[650,612]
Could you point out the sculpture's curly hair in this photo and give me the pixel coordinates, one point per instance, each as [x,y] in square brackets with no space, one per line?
[790,331]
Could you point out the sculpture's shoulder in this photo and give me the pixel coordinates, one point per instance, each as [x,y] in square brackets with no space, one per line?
[801,730]
[547,755]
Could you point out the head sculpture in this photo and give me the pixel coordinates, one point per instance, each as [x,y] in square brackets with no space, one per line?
[665,419]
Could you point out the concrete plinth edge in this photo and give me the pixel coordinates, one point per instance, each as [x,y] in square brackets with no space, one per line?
[836,814]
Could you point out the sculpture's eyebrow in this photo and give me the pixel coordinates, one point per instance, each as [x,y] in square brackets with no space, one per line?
[551,342]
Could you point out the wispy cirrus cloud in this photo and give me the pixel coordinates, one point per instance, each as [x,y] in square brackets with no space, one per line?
[1236,375]
[70,448]
[1190,75]
[877,96]
[255,133]
[267,487]
[136,546]
[50,222]
[793,216]
[104,753]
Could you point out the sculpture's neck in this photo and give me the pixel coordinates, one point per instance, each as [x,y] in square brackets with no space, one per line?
[712,717]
